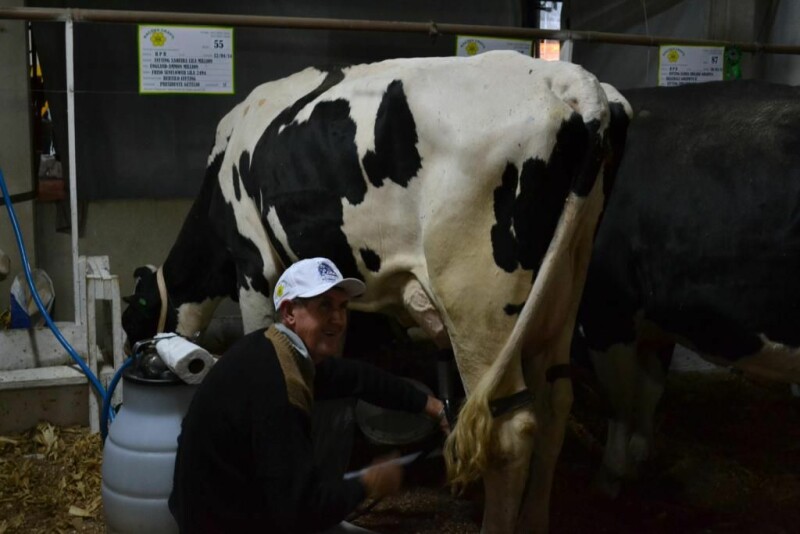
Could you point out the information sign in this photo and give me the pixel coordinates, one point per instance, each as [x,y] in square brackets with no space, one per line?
[185,59]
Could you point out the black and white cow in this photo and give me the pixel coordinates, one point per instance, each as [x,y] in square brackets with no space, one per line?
[699,245]
[465,193]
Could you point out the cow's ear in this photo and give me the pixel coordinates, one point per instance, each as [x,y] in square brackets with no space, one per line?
[141,272]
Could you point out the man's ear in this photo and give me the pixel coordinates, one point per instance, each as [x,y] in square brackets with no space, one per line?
[286,313]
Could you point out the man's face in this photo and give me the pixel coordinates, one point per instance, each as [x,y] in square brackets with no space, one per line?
[320,322]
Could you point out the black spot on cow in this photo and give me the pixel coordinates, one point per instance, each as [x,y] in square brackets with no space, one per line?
[527,221]
[395,156]
[244,172]
[235,179]
[513,309]
[304,170]
[504,244]
[371,259]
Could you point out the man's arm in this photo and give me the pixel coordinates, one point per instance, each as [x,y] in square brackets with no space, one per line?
[339,377]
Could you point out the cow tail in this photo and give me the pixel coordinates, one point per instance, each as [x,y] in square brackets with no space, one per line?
[467,448]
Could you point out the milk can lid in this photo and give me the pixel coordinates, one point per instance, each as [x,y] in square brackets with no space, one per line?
[150,370]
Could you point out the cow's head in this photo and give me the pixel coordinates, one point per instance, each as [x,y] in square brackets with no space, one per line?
[140,318]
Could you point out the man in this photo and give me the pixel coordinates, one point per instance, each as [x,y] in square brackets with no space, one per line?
[245,460]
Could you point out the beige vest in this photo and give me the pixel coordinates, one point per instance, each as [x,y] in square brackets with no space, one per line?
[298,371]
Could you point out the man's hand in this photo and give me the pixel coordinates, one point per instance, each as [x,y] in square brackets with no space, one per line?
[434,409]
[382,479]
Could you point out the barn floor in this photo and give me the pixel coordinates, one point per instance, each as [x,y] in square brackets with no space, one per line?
[728,461]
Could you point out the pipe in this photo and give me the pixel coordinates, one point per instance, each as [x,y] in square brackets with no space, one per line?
[106,413]
[35,294]
[311,23]
[73,168]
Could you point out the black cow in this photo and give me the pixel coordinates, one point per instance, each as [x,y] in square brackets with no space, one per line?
[699,245]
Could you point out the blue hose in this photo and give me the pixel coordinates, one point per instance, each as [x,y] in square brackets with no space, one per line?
[107,412]
[26,266]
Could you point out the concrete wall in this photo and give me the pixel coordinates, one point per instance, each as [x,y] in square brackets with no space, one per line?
[785,30]
[15,142]
[130,233]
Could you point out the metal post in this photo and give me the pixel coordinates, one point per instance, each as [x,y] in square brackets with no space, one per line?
[73,175]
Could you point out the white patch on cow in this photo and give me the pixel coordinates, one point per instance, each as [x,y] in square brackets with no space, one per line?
[615,96]
[193,317]
[257,309]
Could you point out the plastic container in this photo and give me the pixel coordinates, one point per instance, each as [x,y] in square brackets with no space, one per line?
[139,452]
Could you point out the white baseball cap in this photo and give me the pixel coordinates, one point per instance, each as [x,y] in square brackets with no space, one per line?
[312,277]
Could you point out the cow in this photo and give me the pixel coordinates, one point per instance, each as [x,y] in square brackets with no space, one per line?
[465,193]
[699,245]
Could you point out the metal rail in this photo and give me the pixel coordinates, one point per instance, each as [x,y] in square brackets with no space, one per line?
[310,23]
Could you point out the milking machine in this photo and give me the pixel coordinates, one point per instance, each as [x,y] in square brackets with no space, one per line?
[139,452]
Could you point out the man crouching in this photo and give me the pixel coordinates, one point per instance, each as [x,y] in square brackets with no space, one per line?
[245,459]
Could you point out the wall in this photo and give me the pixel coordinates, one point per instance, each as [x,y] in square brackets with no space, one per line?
[15,142]
[785,30]
[130,232]
[628,66]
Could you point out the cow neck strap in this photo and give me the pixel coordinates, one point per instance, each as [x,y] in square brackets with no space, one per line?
[512,402]
[162,292]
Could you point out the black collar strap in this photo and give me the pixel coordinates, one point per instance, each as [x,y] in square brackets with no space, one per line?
[504,405]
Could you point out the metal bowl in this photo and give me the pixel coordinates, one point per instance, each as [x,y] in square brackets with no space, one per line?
[392,427]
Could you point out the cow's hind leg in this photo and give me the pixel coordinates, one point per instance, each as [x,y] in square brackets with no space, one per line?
[553,403]
[505,479]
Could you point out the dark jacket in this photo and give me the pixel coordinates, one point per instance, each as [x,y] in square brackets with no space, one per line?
[245,456]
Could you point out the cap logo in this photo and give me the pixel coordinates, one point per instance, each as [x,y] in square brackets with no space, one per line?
[326,272]
[279,290]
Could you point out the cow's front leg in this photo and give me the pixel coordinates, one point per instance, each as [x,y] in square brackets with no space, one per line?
[617,372]
[652,361]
